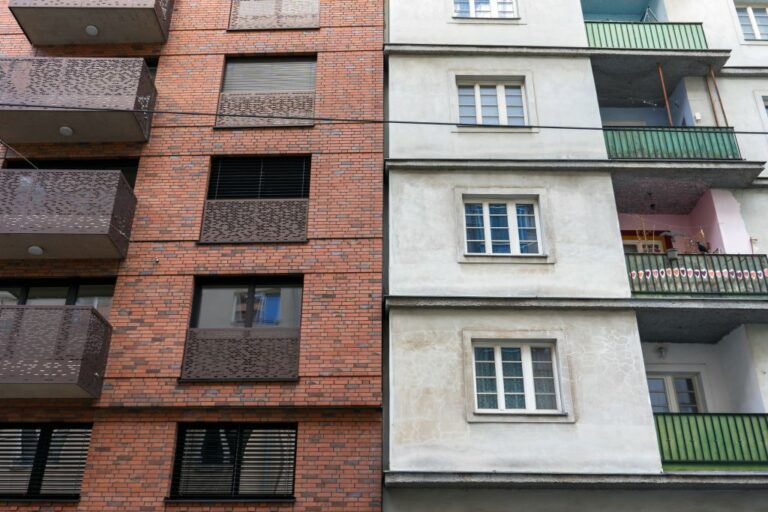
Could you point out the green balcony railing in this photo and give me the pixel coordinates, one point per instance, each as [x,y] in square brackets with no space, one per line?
[713,439]
[698,274]
[646,36]
[671,143]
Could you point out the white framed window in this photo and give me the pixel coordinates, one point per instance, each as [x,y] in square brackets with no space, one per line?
[515,377]
[642,247]
[502,227]
[485,8]
[675,393]
[501,104]
[753,21]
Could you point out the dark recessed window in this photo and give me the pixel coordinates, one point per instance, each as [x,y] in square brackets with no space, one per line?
[129,167]
[97,294]
[259,178]
[229,460]
[43,461]
[248,304]
[152,65]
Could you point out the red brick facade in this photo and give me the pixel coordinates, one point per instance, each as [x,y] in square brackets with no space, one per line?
[337,400]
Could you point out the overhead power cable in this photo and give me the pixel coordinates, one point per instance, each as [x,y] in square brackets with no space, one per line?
[343,120]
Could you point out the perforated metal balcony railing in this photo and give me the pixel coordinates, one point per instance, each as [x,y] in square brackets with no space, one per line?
[254,220]
[52,351]
[677,143]
[646,36]
[698,274]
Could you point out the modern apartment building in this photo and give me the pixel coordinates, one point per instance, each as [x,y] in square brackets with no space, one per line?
[190,260]
[577,300]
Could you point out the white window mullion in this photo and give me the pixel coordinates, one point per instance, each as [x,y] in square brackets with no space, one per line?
[669,384]
[494,9]
[501,99]
[514,234]
[487,228]
[753,20]
[538,227]
[472,8]
[530,394]
[499,378]
[478,103]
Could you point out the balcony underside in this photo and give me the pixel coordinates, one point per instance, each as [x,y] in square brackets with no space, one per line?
[61,246]
[622,74]
[63,23]
[25,126]
[696,321]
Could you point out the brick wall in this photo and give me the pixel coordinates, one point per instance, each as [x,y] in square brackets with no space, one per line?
[337,399]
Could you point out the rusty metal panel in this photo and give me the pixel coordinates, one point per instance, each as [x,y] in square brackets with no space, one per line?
[274,14]
[255,220]
[52,351]
[241,354]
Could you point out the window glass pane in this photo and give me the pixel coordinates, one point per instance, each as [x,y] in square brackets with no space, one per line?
[467,107]
[499,228]
[267,461]
[513,95]
[473,213]
[461,8]
[222,306]
[746,24]
[482,8]
[277,307]
[761,17]
[543,378]
[658,390]
[17,454]
[485,378]
[685,392]
[489,105]
[47,295]
[67,455]
[514,386]
[526,229]
[9,296]
[98,296]
[507,8]
[207,462]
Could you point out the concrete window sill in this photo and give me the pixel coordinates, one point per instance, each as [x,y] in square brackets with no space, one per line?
[487,21]
[464,128]
[538,259]
[520,417]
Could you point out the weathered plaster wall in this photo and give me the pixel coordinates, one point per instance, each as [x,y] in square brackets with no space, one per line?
[752,203]
[609,428]
[579,227]
[559,92]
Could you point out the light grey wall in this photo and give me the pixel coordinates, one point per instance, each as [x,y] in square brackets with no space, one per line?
[547,500]
[753,210]
[579,226]
[541,23]
[559,92]
[610,426]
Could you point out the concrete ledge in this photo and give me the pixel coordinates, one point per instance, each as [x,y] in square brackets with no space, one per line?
[666,481]
[758,305]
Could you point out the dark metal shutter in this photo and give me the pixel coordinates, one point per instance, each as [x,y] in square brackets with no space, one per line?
[259,178]
[269,75]
[228,460]
[43,460]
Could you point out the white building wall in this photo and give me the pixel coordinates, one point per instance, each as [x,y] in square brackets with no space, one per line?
[579,226]
[608,428]
[559,92]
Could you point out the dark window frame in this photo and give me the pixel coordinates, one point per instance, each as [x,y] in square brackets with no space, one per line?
[251,282]
[73,286]
[40,458]
[181,430]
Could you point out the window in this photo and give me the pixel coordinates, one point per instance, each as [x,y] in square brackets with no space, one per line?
[485,8]
[42,461]
[234,461]
[97,294]
[489,229]
[674,393]
[500,104]
[753,21]
[248,304]
[515,377]
[259,178]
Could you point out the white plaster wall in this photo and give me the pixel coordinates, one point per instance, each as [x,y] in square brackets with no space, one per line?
[752,203]
[612,431]
[757,335]
[579,226]
[548,500]
[541,23]
[721,27]
[559,91]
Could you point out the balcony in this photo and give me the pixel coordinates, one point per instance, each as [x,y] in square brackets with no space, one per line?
[52,351]
[241,354]
[254,220]
[68,100]
[671,143]
[70,22]
[646,36]
[701,441]
[66,213]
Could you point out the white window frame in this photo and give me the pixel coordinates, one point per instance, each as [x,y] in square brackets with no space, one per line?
[753,21]
[528,381]
[501,102]
[669,388]
[494,11]
[514,235]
